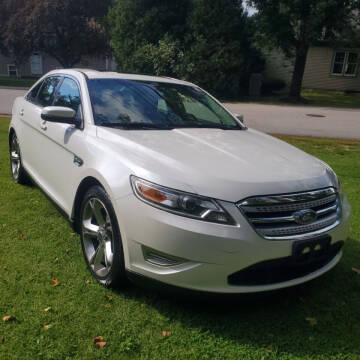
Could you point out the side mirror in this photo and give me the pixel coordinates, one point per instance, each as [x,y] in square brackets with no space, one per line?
[240,118]
[59,114]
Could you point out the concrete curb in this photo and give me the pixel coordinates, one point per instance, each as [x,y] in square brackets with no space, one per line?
[13,88]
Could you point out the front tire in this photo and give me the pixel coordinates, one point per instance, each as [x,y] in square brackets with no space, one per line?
[17,170]
[101,240]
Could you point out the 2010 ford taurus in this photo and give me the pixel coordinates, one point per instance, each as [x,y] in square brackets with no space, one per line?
[164,184]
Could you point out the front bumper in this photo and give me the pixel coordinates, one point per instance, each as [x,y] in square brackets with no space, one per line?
[210,252]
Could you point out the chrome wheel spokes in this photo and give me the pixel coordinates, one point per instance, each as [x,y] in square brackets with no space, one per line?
[15,157]
[98,236]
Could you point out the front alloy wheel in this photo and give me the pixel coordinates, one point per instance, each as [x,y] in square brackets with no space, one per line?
[17,170]
[100,238]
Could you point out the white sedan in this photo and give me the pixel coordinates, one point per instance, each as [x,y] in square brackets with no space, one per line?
[165,185]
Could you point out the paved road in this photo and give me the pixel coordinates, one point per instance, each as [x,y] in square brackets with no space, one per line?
[290,120]
[294,120]
[7,97]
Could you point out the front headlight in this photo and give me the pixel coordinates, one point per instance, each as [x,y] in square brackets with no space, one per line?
[334,178]
[180,203]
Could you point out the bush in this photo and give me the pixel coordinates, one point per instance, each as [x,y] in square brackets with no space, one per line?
[270,86]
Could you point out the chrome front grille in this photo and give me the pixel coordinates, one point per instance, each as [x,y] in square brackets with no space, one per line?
[298,215]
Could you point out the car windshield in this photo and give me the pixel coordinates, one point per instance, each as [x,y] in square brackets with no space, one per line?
[131,104]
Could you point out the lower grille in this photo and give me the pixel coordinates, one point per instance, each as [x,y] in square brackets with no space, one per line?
[281,270]
[293,215]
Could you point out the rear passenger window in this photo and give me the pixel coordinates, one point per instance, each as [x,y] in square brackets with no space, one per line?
[46,94]
[31,96]
[68,95]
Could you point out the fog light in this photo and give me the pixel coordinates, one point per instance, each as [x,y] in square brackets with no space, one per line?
[160,259]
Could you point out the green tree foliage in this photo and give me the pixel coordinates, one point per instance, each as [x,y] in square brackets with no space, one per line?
[205,41]
[219,53]
[293,25]
[140,28]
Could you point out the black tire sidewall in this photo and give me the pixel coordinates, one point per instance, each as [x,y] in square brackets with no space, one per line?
[117,275]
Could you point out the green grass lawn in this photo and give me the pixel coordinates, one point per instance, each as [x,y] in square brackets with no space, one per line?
[314,98]
[17,82]
[37,245]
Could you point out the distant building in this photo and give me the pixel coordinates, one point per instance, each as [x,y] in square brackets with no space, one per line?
[40,63]
[326,68]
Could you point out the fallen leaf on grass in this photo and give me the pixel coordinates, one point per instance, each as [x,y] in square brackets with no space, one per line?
[67,250]
[270,348]
[106,305]
[356,270]
[312,321]
[23,236]
[108,297]
[8,318]
[72,234]
[47,309]
[166,333]
[99,342]
[47,327]
[56,260]
[54,282]
[87,282]
[4,225]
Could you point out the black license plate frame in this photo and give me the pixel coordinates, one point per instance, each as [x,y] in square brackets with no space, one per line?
[308,250]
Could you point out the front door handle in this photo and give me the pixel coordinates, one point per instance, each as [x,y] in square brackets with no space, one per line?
[43,125]
[22,112]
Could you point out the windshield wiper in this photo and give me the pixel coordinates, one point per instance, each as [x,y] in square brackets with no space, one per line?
[137,126]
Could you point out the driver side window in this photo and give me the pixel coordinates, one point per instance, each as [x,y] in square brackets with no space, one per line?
[68,95]
[47,91]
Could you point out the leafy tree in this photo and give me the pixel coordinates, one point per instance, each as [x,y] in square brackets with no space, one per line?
[219,52]
[15,41]
[293,25]
[64,29]
[67,29]
[139,28]
[205,41]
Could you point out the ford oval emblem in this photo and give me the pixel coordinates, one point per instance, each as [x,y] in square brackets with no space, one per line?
[304,217]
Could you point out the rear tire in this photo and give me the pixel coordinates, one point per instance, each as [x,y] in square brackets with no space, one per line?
[101,240]
[17,170]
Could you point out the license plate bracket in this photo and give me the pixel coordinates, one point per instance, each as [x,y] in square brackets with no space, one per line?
[304,251]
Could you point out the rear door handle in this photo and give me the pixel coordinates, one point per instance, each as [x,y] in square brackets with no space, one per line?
[43,125]
[22,112]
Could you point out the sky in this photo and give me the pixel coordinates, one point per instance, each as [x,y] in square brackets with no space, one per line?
[250,9]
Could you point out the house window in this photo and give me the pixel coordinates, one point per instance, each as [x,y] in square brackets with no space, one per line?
[12,70]
[345,63]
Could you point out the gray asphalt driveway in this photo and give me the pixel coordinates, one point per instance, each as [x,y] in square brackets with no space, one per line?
[7,97]
[275,119]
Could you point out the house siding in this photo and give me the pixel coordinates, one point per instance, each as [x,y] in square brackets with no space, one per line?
[318,72]
[49,63]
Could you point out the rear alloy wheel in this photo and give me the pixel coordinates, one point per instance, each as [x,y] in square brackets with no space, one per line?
[17,170]
[101,240]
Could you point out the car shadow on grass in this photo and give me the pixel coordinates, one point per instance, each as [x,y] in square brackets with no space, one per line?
[319,318]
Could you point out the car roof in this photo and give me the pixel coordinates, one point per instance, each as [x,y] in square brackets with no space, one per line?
[94,74]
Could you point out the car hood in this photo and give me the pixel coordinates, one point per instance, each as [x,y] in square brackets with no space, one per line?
[224,164]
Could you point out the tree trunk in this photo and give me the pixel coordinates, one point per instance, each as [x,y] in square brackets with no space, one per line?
[298,74]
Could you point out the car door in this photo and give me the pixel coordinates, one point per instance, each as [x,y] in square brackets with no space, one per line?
[31,132]
[61,142]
